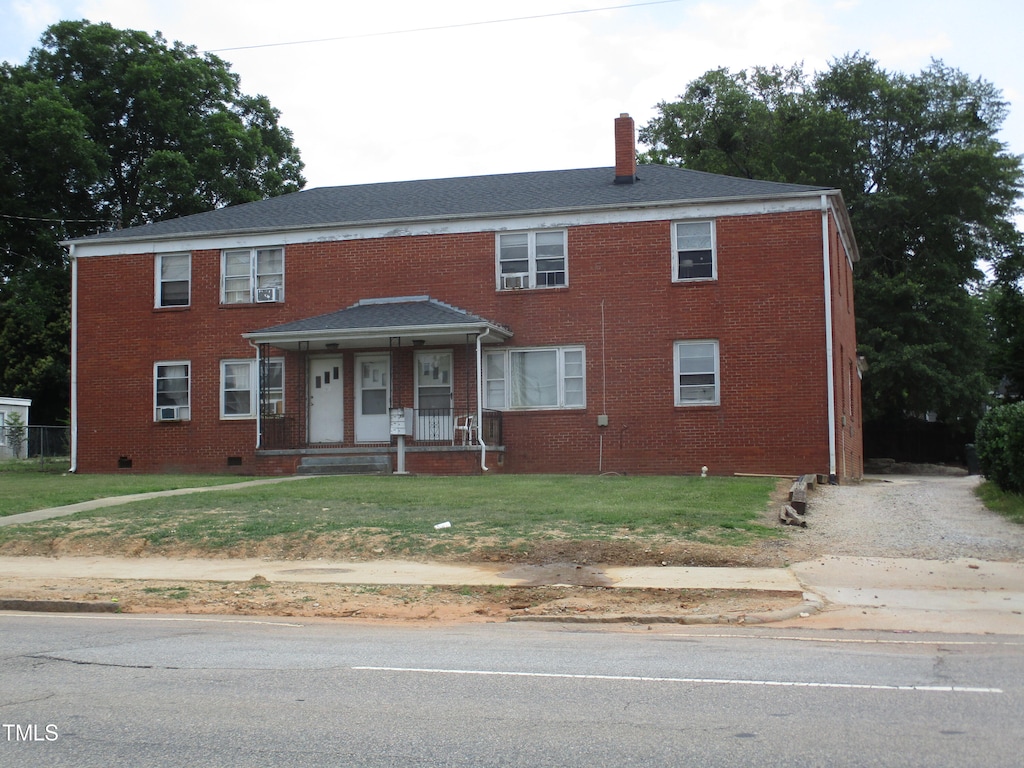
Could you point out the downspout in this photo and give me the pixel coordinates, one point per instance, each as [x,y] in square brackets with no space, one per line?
[830,374]
[259,401]
[480,398]
[74,361]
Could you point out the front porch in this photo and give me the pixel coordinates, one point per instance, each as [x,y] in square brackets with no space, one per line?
[385,385]
[448,448]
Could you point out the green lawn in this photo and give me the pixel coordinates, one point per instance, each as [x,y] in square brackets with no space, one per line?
[400,513]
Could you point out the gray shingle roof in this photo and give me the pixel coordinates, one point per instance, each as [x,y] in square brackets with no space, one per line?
[401,312]
[376,321]
[460,197]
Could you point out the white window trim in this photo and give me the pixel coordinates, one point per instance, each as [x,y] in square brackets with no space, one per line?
[675,251]
[253,276]
[254,387]
[530,275]
[560,383]
[676,347]
[158,280]
[184,411]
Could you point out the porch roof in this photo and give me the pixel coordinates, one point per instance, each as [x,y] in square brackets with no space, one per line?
[411,320]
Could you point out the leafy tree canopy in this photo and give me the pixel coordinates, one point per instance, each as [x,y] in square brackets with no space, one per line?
[930,189]
[104,128]
[175,134]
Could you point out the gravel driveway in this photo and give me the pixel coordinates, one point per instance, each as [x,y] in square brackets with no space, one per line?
[934,518]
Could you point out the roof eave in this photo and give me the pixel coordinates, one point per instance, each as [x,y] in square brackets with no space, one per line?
[317,340]
[249,231]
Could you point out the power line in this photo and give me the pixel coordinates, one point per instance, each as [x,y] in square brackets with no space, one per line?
[55,219]
[441,27]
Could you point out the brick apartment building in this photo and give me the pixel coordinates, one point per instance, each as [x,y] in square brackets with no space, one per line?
[622,319]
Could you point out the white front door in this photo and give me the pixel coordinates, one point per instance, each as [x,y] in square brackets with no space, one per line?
[373,387]
[433,395]
[326,400]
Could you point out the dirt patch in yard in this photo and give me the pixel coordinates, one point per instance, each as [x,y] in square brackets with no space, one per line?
[260,597]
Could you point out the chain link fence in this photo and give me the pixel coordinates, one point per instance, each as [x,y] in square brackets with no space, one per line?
[35,448]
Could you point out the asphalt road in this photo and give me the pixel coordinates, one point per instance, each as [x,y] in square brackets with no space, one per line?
[187,691]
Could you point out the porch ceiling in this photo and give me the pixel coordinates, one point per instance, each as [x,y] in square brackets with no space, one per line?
[400,321]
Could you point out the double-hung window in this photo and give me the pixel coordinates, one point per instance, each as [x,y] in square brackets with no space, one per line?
[252,275]
[696,368]
[240,387]
[532,259]
[535,378]
[173,279]
[171,390]
[693,251]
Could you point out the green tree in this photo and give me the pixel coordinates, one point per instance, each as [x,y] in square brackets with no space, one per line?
[104,128]
[930,189]
[176,133]
[1005,311]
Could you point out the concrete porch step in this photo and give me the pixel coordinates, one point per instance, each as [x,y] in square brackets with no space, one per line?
[379,464]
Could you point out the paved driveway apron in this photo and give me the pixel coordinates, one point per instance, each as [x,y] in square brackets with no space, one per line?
[913,553]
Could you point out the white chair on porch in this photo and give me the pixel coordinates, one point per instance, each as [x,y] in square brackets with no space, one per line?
[466,427]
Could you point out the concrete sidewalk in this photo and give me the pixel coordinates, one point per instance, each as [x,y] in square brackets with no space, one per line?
[114,501]
[904,594]
[393,572]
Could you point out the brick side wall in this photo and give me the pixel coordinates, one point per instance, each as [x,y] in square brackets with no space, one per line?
[849,424]
[766,310]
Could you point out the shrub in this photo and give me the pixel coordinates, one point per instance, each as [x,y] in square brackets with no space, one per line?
[14,428]
[1000,445]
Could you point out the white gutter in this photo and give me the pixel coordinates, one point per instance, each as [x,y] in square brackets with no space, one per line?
[259,405]
[74,360]
[480,398]
[829,362]
[369,336]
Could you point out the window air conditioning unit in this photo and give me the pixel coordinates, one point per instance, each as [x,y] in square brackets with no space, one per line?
[266,295]
[513,282]
[168,413]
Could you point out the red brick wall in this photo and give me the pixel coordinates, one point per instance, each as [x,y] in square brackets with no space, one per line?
[766,309]
[849,437]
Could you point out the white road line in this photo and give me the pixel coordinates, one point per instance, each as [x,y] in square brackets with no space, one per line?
[694,680]
[852,640]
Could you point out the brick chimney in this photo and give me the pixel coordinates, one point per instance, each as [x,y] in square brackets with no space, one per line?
[625,150]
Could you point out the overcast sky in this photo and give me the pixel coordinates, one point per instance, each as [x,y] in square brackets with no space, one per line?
[409,89]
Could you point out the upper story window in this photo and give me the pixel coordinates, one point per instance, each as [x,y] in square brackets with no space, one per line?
[696,366]
[252,275]
[173,279]
[693,251]
[535,378]
[171,390]
[532,260]
[240,387]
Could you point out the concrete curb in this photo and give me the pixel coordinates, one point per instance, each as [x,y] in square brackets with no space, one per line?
[59,606]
